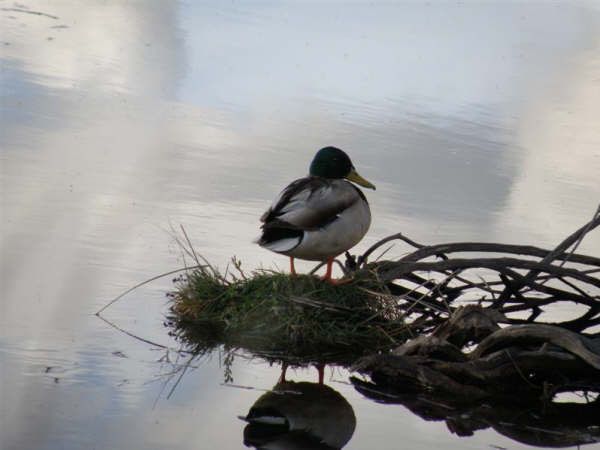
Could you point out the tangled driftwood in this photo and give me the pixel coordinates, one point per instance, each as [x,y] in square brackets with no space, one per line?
[482,354]
[520,361]
[508,382]
[519,281]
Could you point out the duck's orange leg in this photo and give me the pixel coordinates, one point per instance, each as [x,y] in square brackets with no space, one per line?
[327,276]
[292,268]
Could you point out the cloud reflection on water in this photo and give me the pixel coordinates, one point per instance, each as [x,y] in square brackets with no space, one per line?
[476,121]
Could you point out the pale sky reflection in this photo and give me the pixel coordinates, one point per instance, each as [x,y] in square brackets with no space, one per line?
[476,121]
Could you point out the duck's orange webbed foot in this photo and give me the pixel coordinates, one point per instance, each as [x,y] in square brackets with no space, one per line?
[333,281]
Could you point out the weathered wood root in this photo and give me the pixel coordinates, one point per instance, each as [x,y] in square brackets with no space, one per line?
[520,360]
[520,281]
[535,334]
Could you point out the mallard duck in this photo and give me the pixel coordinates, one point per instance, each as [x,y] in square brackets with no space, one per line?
[320,216]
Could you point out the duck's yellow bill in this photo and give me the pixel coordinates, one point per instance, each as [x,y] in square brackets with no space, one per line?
[356,178]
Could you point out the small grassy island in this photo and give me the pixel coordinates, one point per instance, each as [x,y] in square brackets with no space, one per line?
[271,313]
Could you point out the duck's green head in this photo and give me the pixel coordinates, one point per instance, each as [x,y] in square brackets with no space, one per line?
[331,162]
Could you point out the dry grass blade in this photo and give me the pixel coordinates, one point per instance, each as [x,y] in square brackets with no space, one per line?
[143,283]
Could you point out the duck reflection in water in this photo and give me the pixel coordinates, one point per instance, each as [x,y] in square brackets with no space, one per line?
[299,415]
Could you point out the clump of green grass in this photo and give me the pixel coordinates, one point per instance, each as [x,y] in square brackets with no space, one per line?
[274,313]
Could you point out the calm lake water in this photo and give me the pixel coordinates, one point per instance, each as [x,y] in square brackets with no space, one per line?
[122,120]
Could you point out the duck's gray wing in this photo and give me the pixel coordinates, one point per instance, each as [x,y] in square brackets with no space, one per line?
[310,203]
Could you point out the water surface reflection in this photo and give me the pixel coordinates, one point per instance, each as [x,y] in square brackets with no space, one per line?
[476,122]
[300,415]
